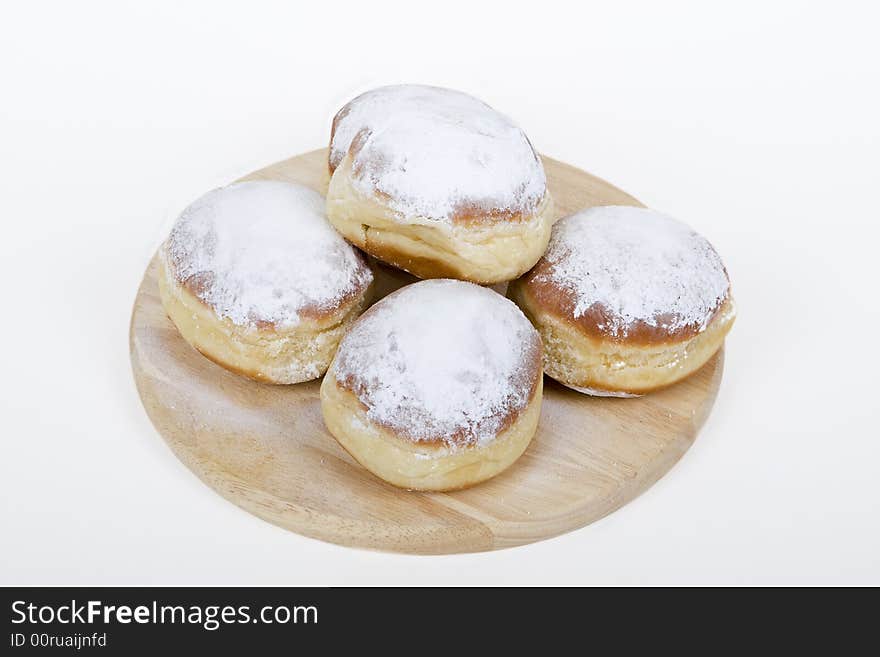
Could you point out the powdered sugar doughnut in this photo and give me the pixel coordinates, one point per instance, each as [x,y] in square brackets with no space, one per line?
[438,183]
[626,300]
[255,278]
[437,386]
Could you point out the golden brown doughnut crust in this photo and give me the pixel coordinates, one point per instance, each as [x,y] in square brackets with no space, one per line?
[437,386]
[626,299]
[465,214]
[476,248]
[480,235]
[544,292]
[424,465]
[533,370]
[580,355]
[261,352]
[256,279]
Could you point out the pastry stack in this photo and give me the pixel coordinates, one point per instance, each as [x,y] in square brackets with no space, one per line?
[438,385]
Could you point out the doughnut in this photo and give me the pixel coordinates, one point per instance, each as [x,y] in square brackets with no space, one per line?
[254,278]
[436,387]
[627,301]
[437,183]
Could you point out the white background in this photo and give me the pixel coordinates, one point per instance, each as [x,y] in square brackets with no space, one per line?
[755,123]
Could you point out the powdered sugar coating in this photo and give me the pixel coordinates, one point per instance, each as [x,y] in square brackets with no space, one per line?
[638,266]
[436,152]
[263,252]
[441,360]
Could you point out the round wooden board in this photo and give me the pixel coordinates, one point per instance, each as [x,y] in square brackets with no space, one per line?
[266,449]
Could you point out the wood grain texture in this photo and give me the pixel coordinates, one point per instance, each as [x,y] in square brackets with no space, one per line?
[265,448]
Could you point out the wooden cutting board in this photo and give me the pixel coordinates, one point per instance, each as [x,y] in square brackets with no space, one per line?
[265,447]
